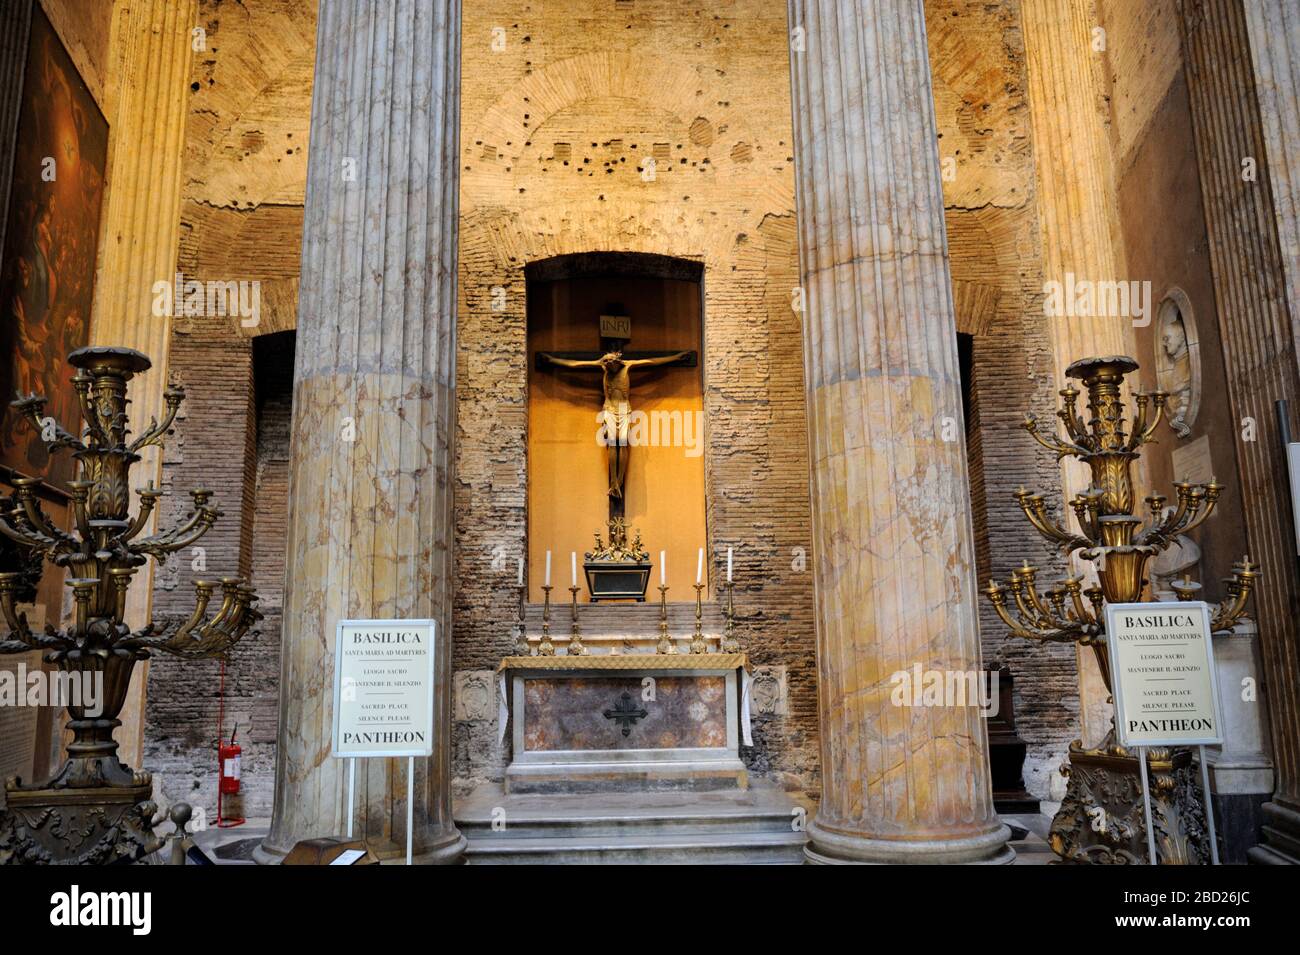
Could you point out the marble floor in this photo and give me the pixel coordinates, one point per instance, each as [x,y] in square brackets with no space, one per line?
[234,846]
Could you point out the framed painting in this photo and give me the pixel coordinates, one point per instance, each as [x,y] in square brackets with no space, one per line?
[47,271]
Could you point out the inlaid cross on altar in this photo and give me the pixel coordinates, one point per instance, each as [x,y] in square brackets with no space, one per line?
[625,713]
[615,364]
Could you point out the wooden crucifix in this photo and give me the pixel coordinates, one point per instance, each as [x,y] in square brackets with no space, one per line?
[615,365]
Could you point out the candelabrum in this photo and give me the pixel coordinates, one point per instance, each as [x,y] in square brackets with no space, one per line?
[729,643]
[576,649]
[545,648]
[522,648]
[665,645]
[698,644]
[1101,818]
[101,555]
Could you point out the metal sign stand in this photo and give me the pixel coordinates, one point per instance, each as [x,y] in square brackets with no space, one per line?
[1209,806]
[410,799]
[352,792]
[1146,805]
[411,804]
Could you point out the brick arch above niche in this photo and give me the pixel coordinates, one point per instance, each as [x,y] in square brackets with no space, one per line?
[687,109]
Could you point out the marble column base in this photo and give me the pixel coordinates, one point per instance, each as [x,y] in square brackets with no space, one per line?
[832,848]
[268,855]
[449,852]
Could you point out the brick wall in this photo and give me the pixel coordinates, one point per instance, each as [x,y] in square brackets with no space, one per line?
[234,440]
[558,120]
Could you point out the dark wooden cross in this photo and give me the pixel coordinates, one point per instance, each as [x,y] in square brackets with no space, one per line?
[617,388]
[626,713]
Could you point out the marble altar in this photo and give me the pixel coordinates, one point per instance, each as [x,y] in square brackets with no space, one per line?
[625,722]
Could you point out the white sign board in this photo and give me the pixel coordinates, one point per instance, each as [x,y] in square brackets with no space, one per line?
[1162,674]
[383,688]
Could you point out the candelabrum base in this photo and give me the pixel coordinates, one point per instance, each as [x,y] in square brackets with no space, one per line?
[1102,822]
[102,826]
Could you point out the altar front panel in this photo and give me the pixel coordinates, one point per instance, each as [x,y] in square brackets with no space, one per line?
[568,713]
[583,727]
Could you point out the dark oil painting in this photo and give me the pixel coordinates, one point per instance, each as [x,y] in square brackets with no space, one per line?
[47,272]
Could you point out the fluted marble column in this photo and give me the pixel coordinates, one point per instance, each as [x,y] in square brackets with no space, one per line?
[15,22]
[147,99]
[1079,226]
[1274,28]
[892,535]
[1259,358]
[370,523]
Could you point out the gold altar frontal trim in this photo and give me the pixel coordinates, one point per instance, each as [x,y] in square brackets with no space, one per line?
[631,661]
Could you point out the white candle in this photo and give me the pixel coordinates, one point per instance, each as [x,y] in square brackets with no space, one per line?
[728,565]
[521,571]
[699,568]
[548,568]
[573,566]
[663,569]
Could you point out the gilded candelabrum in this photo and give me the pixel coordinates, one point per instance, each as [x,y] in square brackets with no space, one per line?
[575,649]
[95,808]
[1101,818]
[729,643]
[545,648]
[522,647]
[665,645]
[698,643]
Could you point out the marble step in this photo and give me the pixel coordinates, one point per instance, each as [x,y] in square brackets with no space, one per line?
[754,826]
[735,848]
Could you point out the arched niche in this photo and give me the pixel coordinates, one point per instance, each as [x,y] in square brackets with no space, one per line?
[1178,360]
[659,301]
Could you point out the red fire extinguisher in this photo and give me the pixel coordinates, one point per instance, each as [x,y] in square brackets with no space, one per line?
[228,759]
[228,754]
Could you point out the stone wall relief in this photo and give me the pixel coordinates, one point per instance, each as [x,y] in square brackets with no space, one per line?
[769,692]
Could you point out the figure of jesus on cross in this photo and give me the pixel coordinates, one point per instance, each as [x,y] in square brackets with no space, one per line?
[615,366]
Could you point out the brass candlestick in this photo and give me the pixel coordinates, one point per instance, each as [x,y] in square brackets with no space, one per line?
[1104,780]
[96,809]
[665,645]
[697,641]
[522,648]
[546,648]
[729,642]
[576,649]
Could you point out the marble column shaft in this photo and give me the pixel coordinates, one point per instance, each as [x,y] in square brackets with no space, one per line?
[147,101]
[1259,349]
[370,522]
[1078,219]
[892,532]
[1274,28]
[15,23]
